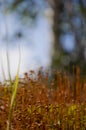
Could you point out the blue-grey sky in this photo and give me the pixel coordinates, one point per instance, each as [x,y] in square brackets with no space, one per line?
[35,46]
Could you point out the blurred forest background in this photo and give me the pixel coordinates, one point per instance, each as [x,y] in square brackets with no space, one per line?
[66,23]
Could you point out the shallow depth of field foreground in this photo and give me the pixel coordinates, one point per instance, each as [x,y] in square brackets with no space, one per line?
[46,103]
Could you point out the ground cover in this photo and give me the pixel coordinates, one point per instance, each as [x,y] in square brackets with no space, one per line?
[44,104]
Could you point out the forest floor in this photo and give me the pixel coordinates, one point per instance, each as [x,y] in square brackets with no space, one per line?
[40,105]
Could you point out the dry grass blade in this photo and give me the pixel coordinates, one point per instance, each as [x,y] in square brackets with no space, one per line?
[14,92]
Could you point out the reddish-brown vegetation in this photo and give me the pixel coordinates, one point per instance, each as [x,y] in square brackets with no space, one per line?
[46,105]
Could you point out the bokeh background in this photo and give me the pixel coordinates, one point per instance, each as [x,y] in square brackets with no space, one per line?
[50,33]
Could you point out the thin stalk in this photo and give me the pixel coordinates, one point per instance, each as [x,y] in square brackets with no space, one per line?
[7,43]
[2,68]
[15,86]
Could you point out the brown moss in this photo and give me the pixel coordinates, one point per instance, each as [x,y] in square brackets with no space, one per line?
[41,107]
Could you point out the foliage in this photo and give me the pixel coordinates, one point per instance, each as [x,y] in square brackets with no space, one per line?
[41,107]
[69,19]
[25,10]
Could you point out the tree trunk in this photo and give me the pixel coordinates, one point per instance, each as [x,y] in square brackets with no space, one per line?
[58,8]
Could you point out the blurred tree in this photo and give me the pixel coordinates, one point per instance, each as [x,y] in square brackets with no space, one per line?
[25,11]
[69,26]
[58,9]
